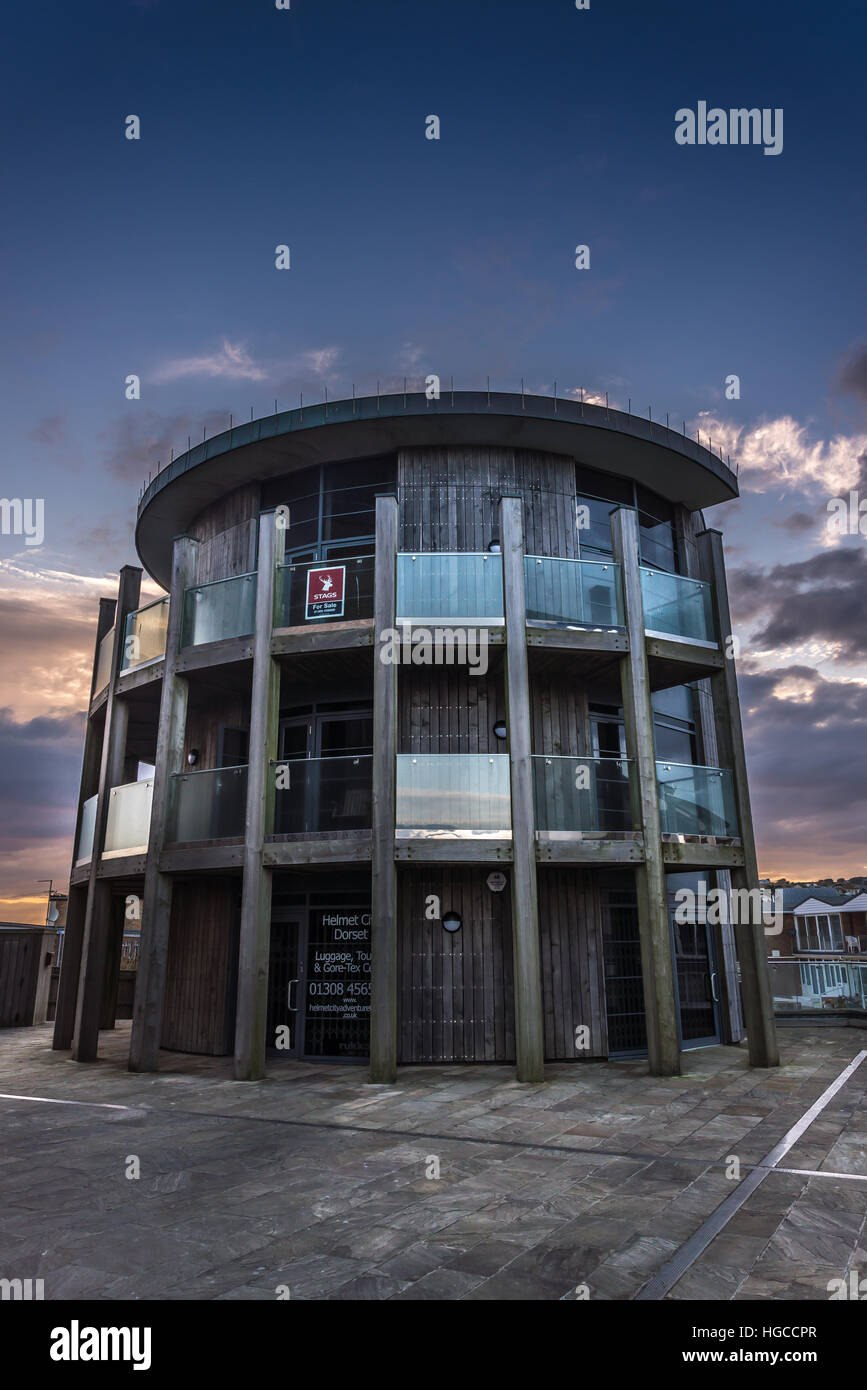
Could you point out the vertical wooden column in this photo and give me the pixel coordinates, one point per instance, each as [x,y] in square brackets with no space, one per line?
[657,968]
[73,937]
[383,930]
[97,916]
[254,947]
[157,894]
[529,1035]
[749,936]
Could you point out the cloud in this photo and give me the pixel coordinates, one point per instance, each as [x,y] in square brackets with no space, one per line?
[231,363]
[820,599]
[852,376]
[798,523]
[50,430]
[320,360]
[140,441]
[807,786]
[779,453]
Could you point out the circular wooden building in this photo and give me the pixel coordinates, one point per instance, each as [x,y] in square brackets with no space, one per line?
[408,765]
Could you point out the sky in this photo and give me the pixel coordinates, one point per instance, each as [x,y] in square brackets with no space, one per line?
[307,127]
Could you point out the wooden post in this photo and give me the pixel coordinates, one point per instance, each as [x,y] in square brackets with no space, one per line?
[749,936]
[254,947]
[529,1033]
[97,917]
[157,894]
[657,969]
[73,937]
[383,929]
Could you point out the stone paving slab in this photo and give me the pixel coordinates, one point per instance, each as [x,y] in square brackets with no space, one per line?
[319,1182]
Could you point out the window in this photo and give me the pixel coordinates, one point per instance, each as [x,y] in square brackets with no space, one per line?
[601,494]
[821,932]
[330,505]
[233,748]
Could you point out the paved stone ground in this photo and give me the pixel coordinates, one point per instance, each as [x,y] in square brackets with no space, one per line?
[316,1180]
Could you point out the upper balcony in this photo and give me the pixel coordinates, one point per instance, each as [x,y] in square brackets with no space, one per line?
[144,639]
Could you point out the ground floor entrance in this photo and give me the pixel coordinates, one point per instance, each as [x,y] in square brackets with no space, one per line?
[319,981]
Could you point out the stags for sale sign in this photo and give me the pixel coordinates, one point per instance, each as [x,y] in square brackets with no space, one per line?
[325,589]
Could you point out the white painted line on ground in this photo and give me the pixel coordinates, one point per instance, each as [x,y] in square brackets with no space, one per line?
[698,1242]
[93,1104]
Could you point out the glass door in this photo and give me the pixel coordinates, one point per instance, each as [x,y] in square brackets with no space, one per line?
[285,985]
[697,984]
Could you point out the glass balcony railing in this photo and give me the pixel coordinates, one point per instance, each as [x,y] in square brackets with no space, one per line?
[207,805]
[225,608]
[581,796]
[675,606]
[103,662]
[84,850]
[144,637]
[464,796]
[464,587]
[580,593]
[319,592]
[321,795]
[696,800]
[128,823]
[818,986]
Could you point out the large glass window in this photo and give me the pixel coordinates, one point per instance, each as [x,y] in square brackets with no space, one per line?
[821,932]
[332,508]
[598,494]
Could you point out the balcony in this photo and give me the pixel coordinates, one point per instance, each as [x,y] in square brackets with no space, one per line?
[103,663]
[316,796]
[577,796]
[84,849]
[128,823]
[696,800]
[224,608]
[677,607]
[144,637]
[465,587]
[323,593]
[453,796]
[574,593]
[818,987]
[207,805]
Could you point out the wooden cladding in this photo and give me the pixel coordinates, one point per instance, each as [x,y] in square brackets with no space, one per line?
[573,980]
[201,975]
[449,498]
[455,989]
[558,715]
[443,709]
[227,532]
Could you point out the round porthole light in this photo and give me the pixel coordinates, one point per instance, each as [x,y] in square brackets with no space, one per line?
[494,546]
[500,730]
[192,757]
[451,922]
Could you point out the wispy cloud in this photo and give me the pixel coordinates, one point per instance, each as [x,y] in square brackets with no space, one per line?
[231,363]
[780,453]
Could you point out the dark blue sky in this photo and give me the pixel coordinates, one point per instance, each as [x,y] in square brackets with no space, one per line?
[410,256]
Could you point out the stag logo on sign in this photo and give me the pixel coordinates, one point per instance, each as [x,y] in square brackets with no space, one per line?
[77,1343]
[737,126]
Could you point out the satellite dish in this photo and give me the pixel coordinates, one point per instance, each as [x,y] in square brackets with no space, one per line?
[53,915]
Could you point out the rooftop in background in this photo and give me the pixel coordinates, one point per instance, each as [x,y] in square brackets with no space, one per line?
[613,441]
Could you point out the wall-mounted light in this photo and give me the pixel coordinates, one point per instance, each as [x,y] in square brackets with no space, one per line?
[494,545]
[193,757]
[500,730]
[451,921]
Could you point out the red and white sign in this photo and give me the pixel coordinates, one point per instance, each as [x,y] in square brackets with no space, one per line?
[325,590]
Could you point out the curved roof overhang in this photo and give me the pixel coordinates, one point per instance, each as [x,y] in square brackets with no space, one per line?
[612,441]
